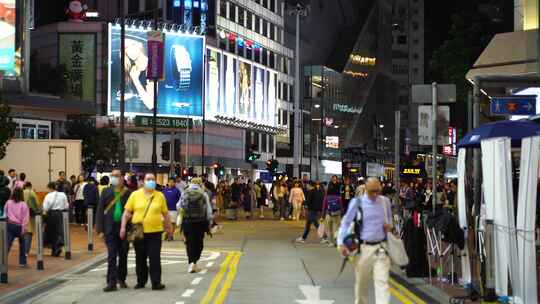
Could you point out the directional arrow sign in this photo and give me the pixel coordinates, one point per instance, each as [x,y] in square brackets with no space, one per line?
[313,295]
[513,105]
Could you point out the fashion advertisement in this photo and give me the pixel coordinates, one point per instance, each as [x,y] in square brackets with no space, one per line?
[7,35]
[260,109]
[246,103]
[180,94]
[230,85]
[213,101]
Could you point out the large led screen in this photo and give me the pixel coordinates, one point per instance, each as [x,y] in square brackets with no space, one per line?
[7,35]
[239,89]
[179,94]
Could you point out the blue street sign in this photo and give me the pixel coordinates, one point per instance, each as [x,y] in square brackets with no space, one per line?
[513,105]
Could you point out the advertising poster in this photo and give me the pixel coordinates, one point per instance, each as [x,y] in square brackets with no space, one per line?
[270,118]
[230,86]
[245,102]
[7,35]
[332,142]
[259,109]
[425,125]
[213,100]
[77,52]
[179,94]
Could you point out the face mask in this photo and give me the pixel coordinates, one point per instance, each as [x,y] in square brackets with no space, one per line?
[115,181]
[150,184]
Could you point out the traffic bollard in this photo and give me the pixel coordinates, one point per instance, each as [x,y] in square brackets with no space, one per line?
[3,251]
[90,221]
[67,240]
[39,239]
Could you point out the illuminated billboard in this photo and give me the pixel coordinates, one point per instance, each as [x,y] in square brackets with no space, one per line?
[7,35]
[239,89]
[179,94]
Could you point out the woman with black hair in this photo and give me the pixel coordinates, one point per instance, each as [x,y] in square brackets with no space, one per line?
[53,204]
[17,215]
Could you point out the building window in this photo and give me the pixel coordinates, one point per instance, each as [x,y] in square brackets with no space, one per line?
[278,34]
[270,143]
[272,32]
[32,129]
[151,5]
[273,5]
[249,53]
[264,3]
[223,43]
[257,54]
[265,57]
[415,25]
[272,60]
[222,8]
[286,65]
[285,92]
[249,20]
[402,39]
[264,143]
[279,117]
[232,12]
[257,24]
[133,6]
[265,28]
[241,17]
[232,46]
[285,118]
[415,56]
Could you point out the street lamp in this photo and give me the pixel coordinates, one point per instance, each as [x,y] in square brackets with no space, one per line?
[381,126]
[316,106]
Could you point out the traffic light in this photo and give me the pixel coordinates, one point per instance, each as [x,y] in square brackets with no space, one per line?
[166,150]
[251,156]
[219,170]
[177,150]
[272,165]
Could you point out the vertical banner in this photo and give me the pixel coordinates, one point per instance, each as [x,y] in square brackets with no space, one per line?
[213,100]
[7,35]
[230,85]
[245,96]
[526,220]
[425,125]
[259,112]
[462,216]
[156,57]
[77,53]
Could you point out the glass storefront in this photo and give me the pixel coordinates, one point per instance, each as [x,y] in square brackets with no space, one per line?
[32,129]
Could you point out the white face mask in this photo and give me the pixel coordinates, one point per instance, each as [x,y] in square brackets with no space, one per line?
[115,181]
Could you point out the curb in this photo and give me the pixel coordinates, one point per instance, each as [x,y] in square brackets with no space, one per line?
[24,294]
[427,292]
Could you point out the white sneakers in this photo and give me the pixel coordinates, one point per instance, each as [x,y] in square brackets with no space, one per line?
[300,240]
[193,268]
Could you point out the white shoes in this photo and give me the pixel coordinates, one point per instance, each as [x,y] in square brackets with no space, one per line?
[192,268]
[300,240]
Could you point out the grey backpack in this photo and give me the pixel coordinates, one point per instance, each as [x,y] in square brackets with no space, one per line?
[196,208]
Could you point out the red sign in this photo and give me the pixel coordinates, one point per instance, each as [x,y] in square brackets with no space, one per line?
[156,57]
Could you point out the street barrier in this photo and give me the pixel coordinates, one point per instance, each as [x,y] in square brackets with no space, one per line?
[67,239]
[3,251]
[90,221]
[39,239]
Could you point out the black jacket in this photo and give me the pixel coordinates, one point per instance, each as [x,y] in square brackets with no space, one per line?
[314,199]
[91,195]
[104,221]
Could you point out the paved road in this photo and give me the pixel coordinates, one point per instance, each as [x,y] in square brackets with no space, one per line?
[248,262]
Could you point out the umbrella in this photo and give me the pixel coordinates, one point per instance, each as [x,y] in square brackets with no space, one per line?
[514,129]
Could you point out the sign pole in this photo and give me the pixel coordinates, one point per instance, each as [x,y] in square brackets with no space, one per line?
[154,112]
[397,150]
[122,150]
[434,144]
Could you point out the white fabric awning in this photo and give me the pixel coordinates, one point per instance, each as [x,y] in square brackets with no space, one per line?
[508,54]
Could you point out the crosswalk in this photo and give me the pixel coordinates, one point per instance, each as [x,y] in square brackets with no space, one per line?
[168,257]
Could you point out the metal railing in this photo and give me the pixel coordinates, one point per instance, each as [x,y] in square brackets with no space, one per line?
[67,239]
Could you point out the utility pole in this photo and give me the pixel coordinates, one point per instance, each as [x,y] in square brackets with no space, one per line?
[298,11]
[154,112]
[122,150]
[434,143]
[397,156]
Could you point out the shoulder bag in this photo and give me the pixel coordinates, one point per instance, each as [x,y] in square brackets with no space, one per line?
[396,247]
[136,231]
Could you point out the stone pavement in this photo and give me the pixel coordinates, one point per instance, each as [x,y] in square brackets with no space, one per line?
[22,277]
[247,262]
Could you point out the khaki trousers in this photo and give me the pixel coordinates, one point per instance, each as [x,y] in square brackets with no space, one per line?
[372,266]
[332,226]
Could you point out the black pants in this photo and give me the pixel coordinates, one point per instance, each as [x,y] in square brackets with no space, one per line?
[80,212]
[194,234]
[312,218]
[117,255]
[148,248]
[54,233]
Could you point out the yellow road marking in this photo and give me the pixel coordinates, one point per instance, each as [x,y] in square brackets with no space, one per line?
[401,298]
[407,292]
[229,280]
[217,279]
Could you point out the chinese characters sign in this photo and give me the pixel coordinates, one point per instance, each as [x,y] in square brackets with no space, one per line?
[77,53]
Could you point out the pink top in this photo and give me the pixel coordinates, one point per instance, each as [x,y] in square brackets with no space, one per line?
[17,213]
[297,195]
[19,184]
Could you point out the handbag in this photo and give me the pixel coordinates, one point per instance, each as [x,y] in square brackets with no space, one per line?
[136,231]
[395,246]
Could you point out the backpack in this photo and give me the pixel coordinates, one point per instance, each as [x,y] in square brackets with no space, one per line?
[334,206]
[196,209]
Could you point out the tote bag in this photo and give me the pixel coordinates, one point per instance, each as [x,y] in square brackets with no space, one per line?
[396,247]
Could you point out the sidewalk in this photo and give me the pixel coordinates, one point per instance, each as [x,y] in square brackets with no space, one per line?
[23,277]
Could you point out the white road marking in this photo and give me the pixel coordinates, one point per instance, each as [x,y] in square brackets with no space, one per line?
[313,295]
[204,271]
[188,293]
[179,303]
[196,281]
[210,264]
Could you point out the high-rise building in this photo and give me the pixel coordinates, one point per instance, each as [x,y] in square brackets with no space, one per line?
[408,59]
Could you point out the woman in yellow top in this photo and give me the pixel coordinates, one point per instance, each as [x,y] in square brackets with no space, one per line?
[148,207]
[297,198]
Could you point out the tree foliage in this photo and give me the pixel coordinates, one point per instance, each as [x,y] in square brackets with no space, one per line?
[8,127]
[98,144]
